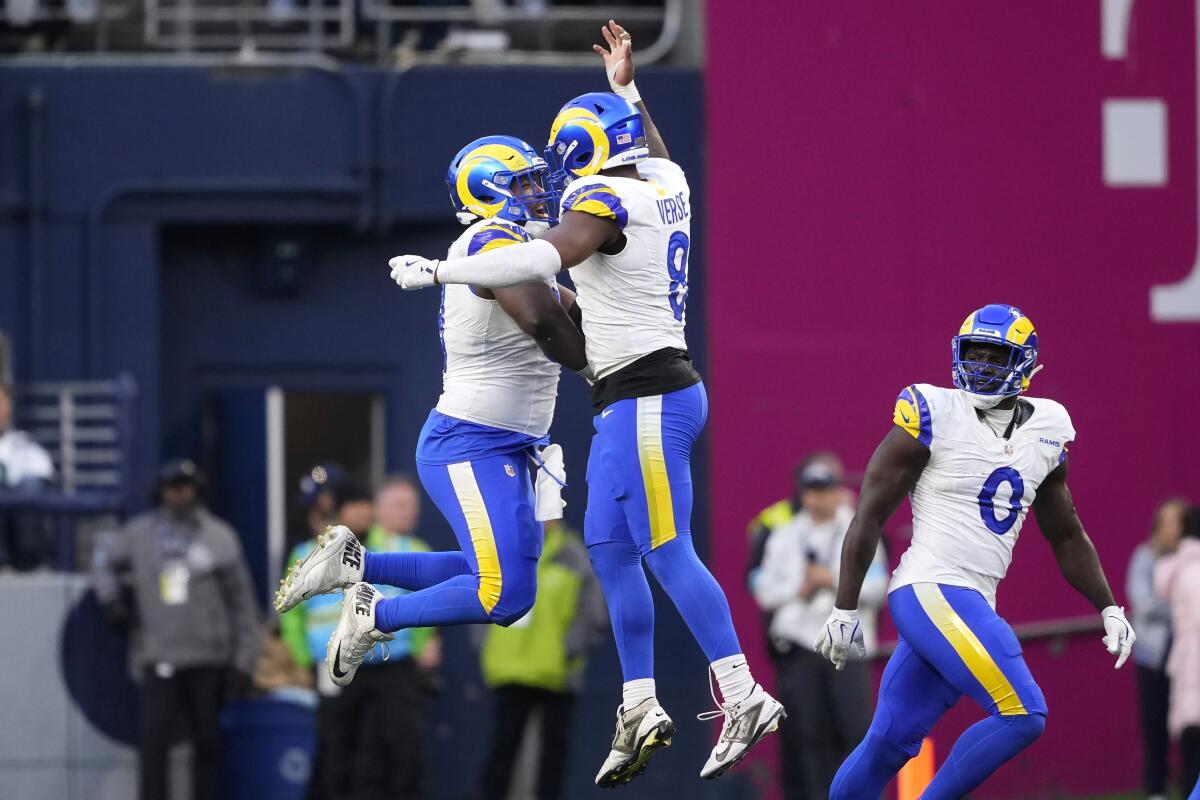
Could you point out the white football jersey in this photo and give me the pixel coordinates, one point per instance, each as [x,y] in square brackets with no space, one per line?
[976,490]
[633,302]
[493,373]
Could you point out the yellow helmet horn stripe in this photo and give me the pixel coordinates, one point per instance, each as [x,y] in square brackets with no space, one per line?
[512,158]
[1020,331]
[592,125]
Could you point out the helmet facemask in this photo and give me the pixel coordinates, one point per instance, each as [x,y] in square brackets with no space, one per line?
[530,193]
[989,383]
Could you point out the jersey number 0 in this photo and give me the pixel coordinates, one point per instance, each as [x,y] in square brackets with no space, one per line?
[987,496]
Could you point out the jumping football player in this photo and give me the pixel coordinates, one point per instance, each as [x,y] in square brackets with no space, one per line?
[625,230]
[481,445]
[974,460]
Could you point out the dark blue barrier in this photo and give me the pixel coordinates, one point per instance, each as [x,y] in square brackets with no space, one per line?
[269,749]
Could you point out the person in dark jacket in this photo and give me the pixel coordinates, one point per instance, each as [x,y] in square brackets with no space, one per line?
[179,575]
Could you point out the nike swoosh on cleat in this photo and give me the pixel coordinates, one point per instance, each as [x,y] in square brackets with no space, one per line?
[338,673]
[721,755]
[905,416]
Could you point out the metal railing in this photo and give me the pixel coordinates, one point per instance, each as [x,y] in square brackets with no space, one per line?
[403,32]
[542,19]
[24,13]
[246,25]
[86,426]
[324,25]
[95,16]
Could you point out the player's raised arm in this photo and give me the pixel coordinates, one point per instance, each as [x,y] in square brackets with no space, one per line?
[618,64]
[539,314]
[891,474]
[1077,559]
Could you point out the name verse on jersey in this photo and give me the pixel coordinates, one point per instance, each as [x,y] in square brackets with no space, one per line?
[673,209]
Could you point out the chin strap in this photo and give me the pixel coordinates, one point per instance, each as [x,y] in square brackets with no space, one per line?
[1025,384]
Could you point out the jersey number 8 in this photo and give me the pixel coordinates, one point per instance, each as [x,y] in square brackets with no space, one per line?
[677,270]
[987,495]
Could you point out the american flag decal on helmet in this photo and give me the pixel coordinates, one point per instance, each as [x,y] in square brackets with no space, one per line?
[624,138]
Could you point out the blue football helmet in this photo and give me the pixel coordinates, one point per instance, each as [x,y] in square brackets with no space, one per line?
[1004,326]
[595,131]
[501,176]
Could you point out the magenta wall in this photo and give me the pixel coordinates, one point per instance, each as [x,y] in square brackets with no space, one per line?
[876,171]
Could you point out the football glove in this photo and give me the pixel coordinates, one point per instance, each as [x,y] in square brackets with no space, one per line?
[841,635]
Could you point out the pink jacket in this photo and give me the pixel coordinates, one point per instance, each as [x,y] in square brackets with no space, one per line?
[1177,580]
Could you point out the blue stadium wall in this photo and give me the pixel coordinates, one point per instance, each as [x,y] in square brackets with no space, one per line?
[138,205]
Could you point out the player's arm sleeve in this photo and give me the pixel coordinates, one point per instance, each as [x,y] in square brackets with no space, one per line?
[912,414]
[503,266]
[597,199]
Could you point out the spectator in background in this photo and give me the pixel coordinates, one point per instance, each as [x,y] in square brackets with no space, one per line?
[828,711]
[196,635]
[317,497]
[25,466]
[773,517]
[1177,581]
[1151,618]
[536,665]
[371,735]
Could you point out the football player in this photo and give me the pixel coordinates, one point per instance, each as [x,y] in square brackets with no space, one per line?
[482,444]
[974,460]
[625,232]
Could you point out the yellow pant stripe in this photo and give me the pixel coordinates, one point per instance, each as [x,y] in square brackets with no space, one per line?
[654,470]
[964,641]
[483,541]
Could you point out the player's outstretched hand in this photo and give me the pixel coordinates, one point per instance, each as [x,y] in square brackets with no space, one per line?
[618,58]
[841,635]
[414,272]
[1118,633]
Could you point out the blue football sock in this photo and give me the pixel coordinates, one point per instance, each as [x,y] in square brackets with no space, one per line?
[696,594]
[452,602]
[980,751]
[618,567]
[414,571]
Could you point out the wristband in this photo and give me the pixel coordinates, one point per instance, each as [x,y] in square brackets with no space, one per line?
[629,91]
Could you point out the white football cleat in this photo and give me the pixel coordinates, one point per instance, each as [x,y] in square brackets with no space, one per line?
[746,723]
[335,563]
[641,732]
[355,633]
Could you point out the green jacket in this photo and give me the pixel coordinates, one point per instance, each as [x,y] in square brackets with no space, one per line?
[546,648]
[307,627]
